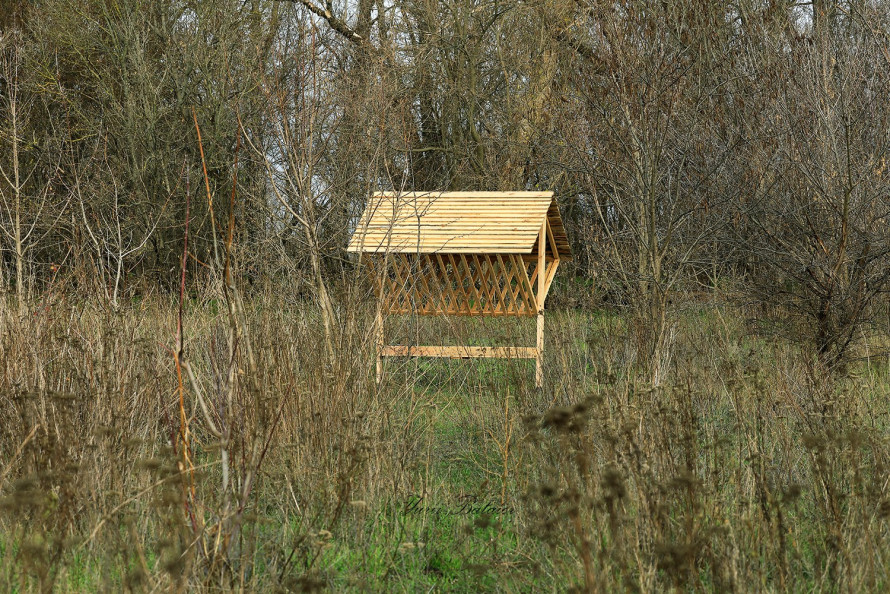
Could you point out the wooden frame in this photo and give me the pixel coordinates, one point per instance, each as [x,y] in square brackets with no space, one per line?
[483,253]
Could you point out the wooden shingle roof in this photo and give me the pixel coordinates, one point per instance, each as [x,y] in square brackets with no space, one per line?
[458,223]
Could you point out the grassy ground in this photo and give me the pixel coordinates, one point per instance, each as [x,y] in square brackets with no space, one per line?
[742,470]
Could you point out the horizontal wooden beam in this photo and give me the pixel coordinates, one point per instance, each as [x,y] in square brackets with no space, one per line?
[509,311]
[435,194]
[460,352]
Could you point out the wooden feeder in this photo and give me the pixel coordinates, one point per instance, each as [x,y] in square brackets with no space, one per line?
[462,253]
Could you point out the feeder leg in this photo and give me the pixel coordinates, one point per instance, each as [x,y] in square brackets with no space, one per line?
[378,340]
[539,358]
[542,294]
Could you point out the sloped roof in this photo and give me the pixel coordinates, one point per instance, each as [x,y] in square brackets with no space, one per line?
[458,222]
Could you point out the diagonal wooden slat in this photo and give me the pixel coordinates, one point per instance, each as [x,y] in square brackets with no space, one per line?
[527,290]
[446,281]
[471,279]
[533,278]
[518,305]
[455,280]
[396,284]
[505,306]
[428,289]
[483,265]
[512,278]
[551,273]
[473,296]
[404,281]
[456,284]
[552,240]
[426,293]
[437,286]
[494,277]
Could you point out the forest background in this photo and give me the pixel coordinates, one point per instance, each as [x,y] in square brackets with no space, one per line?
[186,349]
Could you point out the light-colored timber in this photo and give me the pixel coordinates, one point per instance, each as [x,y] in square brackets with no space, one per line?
[460,352]
[457,222]
[542,284]
[461,253]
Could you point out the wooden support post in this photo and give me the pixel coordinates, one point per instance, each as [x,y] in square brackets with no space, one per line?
[539,360]
[378,339]
[378,320]
[542,288]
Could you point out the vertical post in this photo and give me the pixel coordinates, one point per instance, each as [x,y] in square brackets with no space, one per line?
[378,322]
[542,273]
[378,340]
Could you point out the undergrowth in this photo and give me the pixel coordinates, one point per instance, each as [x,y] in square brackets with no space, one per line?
[125,466]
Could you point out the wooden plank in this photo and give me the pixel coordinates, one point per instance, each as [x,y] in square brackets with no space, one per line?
[463,238]
[408,280]
[462,282]
[539,352]
[559,231]
[429,193]
[533,277]
[418,209]
[460,312]
[511,210]
[530,258]
[441,282]
[424,286]
[505,276]
[474,228]
[456,217]
[453,219]
[451,238]
[438,248]
[459,352]
[494,280]
[427,248]
[407,214]
[422,222]
[378,341]
[471,277]
[466,213]
[527,289]
[551,240]
[551,273]
[446,281]
[483,221]
[397,282]
[481,229]
[539,358]
[485,280]
[514,293]
[541,271]
[486,229]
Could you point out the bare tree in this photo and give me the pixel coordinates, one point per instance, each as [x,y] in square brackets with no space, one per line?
[26,179]
[115,235]
[646,154]
[300,130]
[818,213]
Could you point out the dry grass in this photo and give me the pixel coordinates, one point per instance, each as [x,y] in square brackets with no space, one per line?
[741,471]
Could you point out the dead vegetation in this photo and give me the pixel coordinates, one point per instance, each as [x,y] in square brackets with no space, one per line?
[187,394]
[742,471]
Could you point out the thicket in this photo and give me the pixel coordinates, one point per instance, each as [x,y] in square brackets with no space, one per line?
[184,343]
